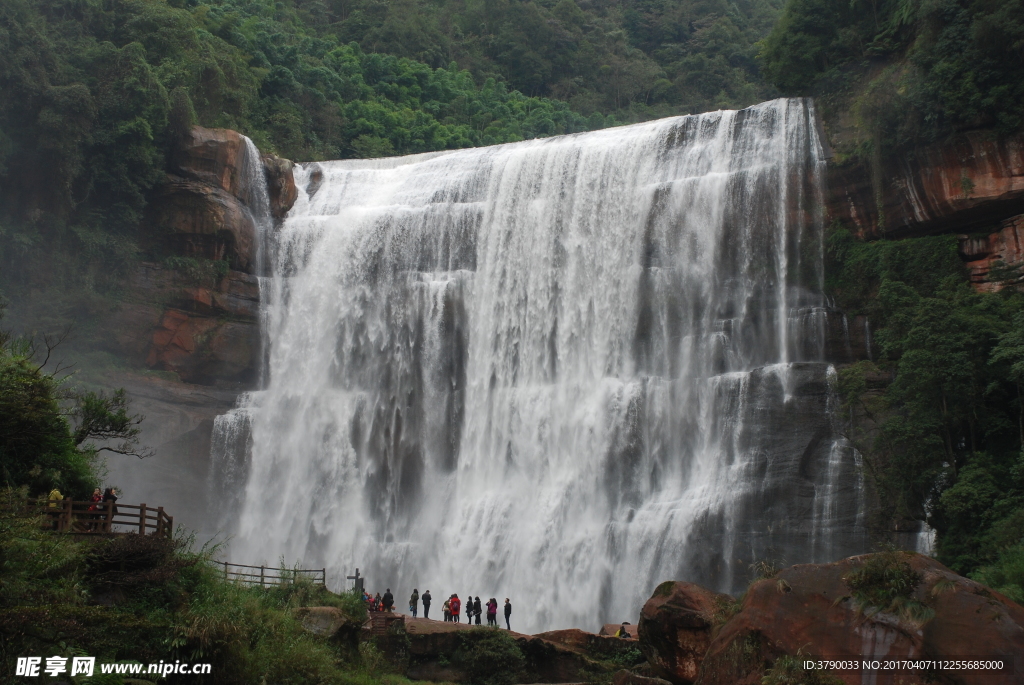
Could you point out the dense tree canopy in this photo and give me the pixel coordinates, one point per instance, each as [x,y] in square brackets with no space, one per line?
[948,445]
[910,71]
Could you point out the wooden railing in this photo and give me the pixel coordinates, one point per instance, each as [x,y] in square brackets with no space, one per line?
[268,576]
[103,518]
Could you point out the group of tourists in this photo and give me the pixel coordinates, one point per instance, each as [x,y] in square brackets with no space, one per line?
[99,502]
[452,607]
[378,603]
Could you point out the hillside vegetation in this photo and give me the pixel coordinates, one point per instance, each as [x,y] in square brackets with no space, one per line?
[903,72]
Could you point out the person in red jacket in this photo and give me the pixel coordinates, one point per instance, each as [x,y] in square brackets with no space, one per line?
[456,605]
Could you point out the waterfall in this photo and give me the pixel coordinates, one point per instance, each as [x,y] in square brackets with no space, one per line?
[559,371]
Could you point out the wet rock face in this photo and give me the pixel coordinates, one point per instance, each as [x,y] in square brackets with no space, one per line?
[205,332]
[280,184]
[203,221]
[676,626]
[807,610]
[975,180]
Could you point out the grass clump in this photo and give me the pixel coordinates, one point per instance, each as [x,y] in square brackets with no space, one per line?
[886,583]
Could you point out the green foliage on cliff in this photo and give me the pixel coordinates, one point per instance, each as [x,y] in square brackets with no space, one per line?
[948,447]
[909,71]
[93,95]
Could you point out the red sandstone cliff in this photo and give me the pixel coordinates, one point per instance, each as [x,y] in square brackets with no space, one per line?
[972,186]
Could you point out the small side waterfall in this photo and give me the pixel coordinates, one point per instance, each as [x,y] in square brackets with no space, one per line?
[560,371]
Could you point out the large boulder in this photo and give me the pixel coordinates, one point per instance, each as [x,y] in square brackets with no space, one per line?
[809,611]
[321,621]
[676,627]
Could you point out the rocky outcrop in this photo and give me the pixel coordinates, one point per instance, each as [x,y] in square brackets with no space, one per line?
[598,647]
[204,208]
[676,627]
[215,157]
[975,180]
[280,184]
[434,650]
[997,259]
[807,611]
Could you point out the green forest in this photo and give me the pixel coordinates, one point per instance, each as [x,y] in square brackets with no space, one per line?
[94,93]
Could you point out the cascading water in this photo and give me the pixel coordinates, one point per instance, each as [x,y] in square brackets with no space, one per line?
[560,371]
[231,438]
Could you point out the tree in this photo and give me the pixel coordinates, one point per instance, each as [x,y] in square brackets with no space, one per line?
[38,447]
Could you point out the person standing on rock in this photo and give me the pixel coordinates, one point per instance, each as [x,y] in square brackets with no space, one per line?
[426,604]
[456,605]
[492,612]
[508,612]
[477,610]
[388,600]
[446,609]
[414,601]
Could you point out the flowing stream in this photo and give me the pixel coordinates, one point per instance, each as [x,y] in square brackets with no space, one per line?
[560,371]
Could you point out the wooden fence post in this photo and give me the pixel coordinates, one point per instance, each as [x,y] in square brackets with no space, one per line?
[110,516]
[65,524]
[261,576]
[160,521]
[142,519]
[225,570]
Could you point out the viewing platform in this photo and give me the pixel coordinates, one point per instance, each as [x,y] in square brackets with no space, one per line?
[102,518]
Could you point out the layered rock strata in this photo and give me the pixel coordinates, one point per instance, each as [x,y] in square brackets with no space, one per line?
[974,180]
[972,186]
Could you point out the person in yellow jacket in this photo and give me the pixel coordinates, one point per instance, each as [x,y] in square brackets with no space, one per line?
[54,498]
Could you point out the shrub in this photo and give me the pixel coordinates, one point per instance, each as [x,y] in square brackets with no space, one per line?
[490,657]
[886,582]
